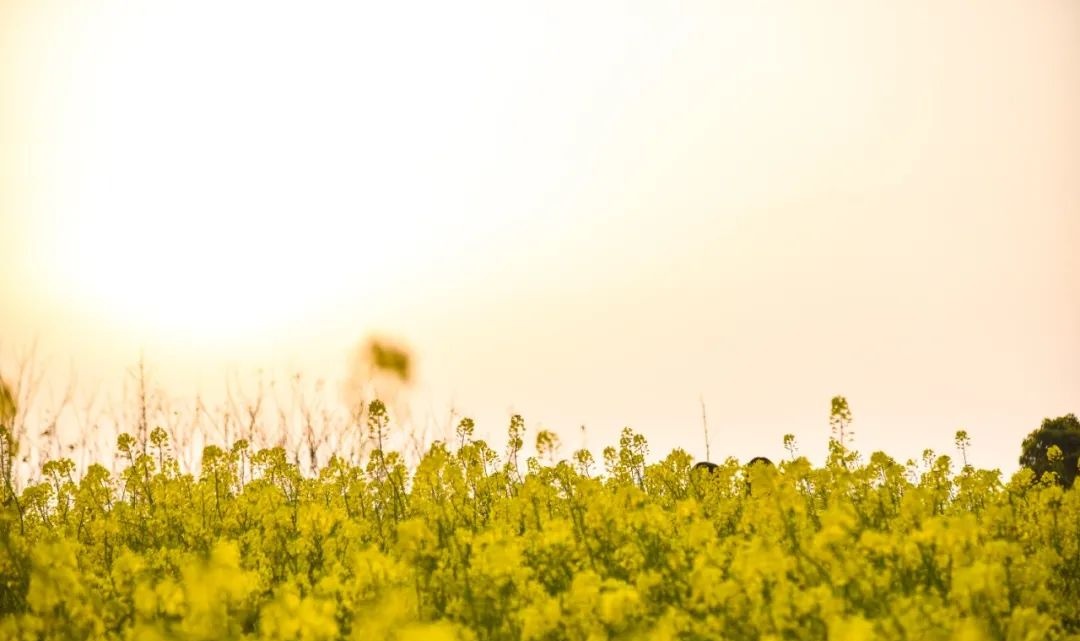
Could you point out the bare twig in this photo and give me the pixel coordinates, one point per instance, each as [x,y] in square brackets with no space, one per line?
[705,427]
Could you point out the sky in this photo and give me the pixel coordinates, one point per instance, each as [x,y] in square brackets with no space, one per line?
[604,214]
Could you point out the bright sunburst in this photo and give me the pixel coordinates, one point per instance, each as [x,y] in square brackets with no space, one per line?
[206,180]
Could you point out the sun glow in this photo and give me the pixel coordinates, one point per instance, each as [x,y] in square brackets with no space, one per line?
[230,169]
[203,178]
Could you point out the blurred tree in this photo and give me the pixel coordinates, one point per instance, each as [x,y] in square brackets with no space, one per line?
[1062,432]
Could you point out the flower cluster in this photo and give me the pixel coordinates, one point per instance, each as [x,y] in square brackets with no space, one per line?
[473,546]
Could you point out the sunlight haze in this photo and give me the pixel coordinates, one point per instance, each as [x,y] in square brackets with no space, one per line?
[589,213]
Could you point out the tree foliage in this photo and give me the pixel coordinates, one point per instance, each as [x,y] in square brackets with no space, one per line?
[1038,453]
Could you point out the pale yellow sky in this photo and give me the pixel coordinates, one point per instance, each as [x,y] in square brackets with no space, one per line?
[587,212]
